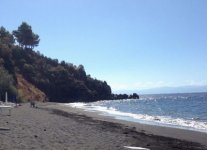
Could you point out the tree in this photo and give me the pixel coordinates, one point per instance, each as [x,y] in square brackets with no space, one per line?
[25,37]
[6,83]
[81,74]
[5,37]
[6,46]
[6,42]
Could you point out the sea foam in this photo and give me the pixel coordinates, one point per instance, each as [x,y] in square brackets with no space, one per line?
[143,118]
[175,110]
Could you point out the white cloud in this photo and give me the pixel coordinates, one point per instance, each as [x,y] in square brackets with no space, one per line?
[196,83]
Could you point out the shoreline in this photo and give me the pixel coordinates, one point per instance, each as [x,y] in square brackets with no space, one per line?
[165,131]
[53,126]
[125,116]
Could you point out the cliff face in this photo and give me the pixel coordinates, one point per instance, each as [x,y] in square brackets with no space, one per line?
[28,91]
[40,77]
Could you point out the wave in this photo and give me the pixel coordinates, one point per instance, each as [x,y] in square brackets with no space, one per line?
[193,124]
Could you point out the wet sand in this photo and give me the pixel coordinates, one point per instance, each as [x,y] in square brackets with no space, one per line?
[55,127]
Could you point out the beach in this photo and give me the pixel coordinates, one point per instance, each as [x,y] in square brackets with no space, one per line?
[53,126]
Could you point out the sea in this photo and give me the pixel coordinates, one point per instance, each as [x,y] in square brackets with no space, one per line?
[186,111]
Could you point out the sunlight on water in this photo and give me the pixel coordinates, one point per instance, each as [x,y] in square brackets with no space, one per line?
[182,110]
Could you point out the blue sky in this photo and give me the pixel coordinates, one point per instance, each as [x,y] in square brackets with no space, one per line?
[132,44]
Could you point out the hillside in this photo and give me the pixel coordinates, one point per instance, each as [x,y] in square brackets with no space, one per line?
[26,74]
[39,77]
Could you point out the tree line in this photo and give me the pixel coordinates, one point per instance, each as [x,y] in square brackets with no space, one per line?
[60,81]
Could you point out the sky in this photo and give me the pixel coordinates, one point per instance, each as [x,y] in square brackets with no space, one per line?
[131,44]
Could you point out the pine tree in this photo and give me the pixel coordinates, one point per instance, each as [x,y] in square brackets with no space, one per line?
[25,37]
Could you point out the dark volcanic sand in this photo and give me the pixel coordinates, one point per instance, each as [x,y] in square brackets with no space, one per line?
[53,127]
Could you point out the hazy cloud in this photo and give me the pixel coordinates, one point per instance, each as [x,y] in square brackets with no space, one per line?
[155,84]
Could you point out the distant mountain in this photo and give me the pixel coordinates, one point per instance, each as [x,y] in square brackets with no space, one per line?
[181,89]
[167,90]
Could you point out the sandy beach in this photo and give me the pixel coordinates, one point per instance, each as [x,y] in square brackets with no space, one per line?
[52,126]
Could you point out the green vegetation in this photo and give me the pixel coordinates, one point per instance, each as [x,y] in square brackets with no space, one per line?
[25,37]
[6,85]
[59,81]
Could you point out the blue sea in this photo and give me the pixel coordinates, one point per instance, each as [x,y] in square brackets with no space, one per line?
[188,111]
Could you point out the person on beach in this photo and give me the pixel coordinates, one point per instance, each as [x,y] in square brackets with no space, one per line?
[32,103]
